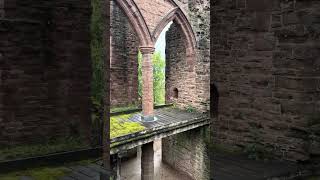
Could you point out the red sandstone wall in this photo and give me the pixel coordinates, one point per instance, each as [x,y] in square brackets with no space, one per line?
[193,86]
[124,60]
[265,64]
[178,75]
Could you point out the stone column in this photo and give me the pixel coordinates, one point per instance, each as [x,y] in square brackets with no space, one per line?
[147,83]
[147,162]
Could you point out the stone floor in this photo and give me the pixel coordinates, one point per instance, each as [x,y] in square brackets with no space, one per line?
[130,170]
[231,167]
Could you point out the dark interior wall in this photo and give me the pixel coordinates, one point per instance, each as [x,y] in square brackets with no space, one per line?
[124,59]
[266,68]
[45,70]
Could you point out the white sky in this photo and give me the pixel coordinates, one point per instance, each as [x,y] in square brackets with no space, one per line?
[161,42]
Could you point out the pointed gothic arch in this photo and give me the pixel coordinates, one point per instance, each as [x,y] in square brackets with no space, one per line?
[137,21]
[178,16]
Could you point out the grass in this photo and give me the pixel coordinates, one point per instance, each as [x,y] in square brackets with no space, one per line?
[24,151]
[119,126]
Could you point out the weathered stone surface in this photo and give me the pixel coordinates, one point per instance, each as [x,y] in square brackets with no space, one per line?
[261,21]
[185,71]
[153,12]
[188,153]
[45,70]
[266,73]
[124,60]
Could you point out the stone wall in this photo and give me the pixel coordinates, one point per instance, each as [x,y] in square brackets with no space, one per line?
[124,59]
[193,85]
[45,70]
[265,64]
[153,12]
[188,153]
[124,85]
[199,13]
[178,76]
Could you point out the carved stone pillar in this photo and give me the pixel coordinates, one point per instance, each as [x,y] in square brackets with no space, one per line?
[147,83]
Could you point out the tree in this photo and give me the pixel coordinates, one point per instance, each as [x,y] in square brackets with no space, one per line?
[158,77]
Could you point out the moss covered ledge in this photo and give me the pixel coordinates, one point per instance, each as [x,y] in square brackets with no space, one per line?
[120,125]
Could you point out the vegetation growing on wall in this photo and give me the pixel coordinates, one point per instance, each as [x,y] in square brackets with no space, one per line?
[97,51]
[97,82]
[51,173]
[54,146]
[257,150]
[45,173]
[158,77]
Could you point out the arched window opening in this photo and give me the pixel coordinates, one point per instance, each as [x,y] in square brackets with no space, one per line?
[175,93]
[214,100]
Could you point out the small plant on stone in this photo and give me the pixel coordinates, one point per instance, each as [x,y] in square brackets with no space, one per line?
[190,109]
[256,150]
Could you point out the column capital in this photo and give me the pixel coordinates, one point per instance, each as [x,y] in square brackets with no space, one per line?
[147,50]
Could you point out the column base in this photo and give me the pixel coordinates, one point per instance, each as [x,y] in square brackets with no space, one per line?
[148,118]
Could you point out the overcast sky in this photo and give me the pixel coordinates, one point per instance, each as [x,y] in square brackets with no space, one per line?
[161,42]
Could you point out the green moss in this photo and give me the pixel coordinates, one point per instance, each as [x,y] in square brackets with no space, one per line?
[46,173]
[314,178]
[119,126]
[225,149]
[15,152]
[38,174]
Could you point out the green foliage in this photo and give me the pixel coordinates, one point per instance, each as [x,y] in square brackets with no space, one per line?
[53,146]
[119,126]
[158,77]
[97,49]
[190,109]
[52,173]
[98,70]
